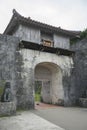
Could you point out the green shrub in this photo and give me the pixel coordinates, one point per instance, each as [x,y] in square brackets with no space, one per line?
[37,97]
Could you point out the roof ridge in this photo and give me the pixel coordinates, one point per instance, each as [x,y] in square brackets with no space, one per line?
[15,12]
[27,20]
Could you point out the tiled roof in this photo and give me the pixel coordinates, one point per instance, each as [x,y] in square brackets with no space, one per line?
[18,19]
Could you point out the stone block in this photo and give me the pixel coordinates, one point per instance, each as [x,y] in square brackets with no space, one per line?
[83,102]
[7,108]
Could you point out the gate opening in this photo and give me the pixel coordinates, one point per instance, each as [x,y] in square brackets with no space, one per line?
[48,83]
[38,87]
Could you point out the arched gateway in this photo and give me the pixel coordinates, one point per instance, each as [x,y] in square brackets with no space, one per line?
[51,69]
[50,76]
[37,52]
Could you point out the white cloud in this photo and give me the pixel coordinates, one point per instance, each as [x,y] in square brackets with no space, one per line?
[69,14]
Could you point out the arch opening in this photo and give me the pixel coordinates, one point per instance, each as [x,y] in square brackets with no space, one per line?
[48,79]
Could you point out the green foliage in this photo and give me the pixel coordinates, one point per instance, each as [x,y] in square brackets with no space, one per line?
[2,84]
[74,40]
[38,85]
[37,97]
[1,90]
[83,35]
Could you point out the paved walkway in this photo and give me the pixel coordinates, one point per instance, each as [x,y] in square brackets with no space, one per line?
[70,118]
[47,117]
[26,121]
[39,105]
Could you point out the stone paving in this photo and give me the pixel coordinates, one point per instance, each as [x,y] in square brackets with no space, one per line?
[40,105]
[26,121]
[69,118]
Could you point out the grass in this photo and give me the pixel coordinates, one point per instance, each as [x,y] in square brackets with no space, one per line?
[37,97]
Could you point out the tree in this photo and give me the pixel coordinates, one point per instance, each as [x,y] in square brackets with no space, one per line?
[83,35]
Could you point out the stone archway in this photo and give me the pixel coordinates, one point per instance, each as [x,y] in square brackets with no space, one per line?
[50,75]
[58,66]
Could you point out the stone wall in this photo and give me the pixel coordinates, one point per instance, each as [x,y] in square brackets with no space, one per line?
[7,108]
[31,59]
[79,73]
[10,68]
[17,66]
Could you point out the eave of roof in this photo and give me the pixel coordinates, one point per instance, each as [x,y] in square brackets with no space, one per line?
[18,19]
[41,48]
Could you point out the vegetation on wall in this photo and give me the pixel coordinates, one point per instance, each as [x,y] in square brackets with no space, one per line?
[83,35]
[2,85]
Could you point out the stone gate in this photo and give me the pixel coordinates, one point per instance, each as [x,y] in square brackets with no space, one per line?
[45,67]
[33,51]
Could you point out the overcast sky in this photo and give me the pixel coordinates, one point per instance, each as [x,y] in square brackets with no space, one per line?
[68,14]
